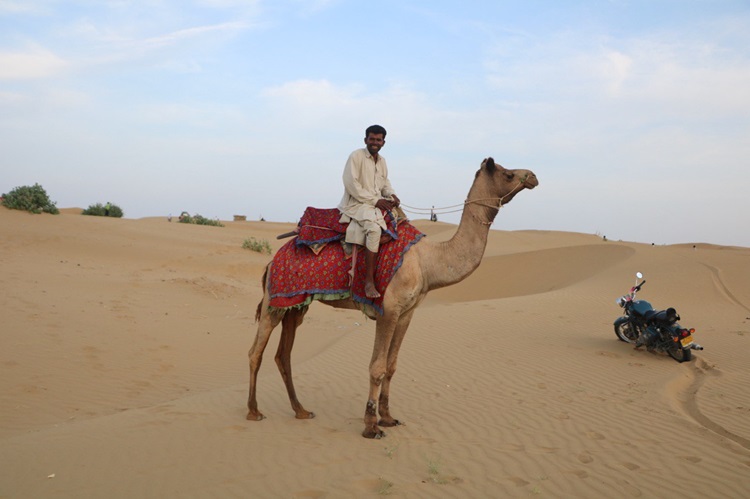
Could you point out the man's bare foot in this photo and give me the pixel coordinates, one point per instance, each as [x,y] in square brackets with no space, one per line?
[371,291]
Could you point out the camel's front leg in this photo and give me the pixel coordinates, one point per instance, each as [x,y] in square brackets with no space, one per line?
[383,334]
[265,327]
[383,403]
[289,324]
[371,419]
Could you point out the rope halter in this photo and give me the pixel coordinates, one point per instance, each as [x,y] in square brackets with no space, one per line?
[481,202]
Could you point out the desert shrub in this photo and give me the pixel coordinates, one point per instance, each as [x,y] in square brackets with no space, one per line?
[33,199]
[100,210]
[258,246]
[186,218]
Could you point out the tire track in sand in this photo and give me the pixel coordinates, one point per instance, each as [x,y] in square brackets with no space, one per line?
[686,398]
[723,289]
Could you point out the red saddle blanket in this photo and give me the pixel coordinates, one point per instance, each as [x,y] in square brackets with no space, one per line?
[299,275]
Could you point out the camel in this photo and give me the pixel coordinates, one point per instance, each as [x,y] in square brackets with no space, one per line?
[426,266]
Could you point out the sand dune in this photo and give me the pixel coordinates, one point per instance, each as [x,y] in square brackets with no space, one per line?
[124,349]
[533,272]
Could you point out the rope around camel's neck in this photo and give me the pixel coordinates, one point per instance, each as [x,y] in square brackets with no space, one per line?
[460,207]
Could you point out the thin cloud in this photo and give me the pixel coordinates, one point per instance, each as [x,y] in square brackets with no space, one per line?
[32,64]
[177,36]
[315,6]
[21,7]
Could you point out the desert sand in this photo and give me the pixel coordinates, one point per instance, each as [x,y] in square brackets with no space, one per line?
[124,372]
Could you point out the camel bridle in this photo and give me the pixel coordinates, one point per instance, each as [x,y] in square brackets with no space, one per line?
[481,202]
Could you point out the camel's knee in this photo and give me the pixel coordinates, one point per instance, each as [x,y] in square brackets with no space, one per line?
[259,311]
[255,354]
[254,361]
[281,363]
[377,376]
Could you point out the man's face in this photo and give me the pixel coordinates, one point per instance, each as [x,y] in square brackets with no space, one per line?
[374,142]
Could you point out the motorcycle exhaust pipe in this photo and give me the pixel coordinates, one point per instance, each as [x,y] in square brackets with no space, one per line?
[696,346]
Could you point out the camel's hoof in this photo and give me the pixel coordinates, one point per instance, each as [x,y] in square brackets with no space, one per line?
[389,422]
[305,415]
[373,433]
[255,416]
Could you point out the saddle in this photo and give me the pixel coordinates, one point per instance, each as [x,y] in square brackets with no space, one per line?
[320,226]
[668,316]
[309,267]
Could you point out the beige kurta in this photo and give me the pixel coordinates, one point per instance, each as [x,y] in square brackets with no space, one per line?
[365,182]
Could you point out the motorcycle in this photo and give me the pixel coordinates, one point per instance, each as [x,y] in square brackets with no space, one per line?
[656,330]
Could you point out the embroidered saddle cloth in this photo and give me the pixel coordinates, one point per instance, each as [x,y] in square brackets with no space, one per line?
[316,266]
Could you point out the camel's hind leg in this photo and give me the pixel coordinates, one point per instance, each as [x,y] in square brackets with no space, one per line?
[266,323]
[289,325]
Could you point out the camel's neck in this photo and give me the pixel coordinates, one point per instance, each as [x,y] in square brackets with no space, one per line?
[457,258]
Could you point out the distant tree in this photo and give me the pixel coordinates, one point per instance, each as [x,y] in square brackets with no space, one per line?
[100,210]
[33,199]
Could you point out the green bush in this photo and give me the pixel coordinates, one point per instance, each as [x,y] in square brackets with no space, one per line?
[185,218]
[33,199]
[100,210]
[258,246]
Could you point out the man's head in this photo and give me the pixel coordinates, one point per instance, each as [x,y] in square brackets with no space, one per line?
[375,139]
[376,129]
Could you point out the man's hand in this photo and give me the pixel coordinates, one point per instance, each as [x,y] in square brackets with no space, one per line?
[384,204]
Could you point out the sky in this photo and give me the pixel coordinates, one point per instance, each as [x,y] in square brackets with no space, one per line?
[634,115]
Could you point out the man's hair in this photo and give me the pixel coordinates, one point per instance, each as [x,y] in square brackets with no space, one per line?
[376,129]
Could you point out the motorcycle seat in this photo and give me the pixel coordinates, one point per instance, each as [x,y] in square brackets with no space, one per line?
[668,316]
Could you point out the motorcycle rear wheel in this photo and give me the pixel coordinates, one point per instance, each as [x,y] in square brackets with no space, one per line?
[626,332]
[680,354]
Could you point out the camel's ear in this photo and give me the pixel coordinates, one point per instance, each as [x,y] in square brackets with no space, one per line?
[489,164]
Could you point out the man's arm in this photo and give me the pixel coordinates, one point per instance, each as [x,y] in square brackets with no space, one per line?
[387,189]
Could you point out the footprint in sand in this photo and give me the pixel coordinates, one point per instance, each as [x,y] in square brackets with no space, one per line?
[630,489]
[314,494]
[631,466]
[608,354]
[520,482]
[594,435]
[512,447]
[585,457]
[579,473]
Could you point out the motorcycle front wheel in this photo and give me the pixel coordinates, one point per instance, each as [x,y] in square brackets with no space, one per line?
[625,330]
[680,354]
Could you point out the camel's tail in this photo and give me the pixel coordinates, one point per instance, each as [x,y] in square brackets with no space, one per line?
[263,283]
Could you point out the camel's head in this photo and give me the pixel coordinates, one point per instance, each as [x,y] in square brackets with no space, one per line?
[507,183]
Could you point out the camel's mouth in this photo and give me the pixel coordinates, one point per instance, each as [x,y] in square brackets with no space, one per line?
[531,181]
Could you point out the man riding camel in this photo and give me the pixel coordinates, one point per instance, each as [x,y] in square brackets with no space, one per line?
[367,191]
